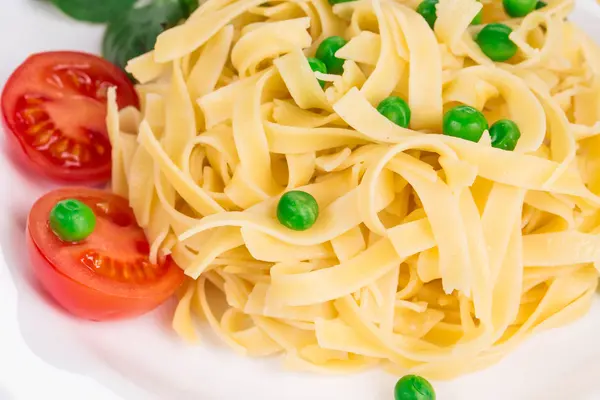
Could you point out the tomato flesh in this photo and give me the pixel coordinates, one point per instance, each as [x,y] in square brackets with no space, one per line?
[54,110]
[106,276]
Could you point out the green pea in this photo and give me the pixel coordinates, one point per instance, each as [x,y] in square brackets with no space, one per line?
[519,8]
[540,4]
[72,221]
[427,9]
[478,18]
[465,122]
[396,110]
[318,66]
[495,43]
[326,53]
[297,210]
[413,387]
[505,134]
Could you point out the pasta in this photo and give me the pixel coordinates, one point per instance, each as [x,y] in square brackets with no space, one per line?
[431,253]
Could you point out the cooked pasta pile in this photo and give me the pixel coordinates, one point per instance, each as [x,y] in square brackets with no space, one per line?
[431,253]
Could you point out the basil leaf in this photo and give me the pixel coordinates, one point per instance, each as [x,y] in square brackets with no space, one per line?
[93,10]
[189,6]
[134,32]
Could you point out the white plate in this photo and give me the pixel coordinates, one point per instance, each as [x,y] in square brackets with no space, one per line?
[44,354]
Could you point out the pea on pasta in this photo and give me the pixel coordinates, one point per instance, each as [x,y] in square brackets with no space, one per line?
[361,190]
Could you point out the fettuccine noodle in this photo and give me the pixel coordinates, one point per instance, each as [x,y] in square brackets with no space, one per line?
[431,254]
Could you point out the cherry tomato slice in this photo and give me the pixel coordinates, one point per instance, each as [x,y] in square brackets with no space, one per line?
[54,111]
[106,276]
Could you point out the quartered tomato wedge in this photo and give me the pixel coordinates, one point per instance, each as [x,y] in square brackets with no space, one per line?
[54,110]
[106,276]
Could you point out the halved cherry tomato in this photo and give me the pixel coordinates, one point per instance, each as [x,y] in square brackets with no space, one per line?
[106,276]
[54,110]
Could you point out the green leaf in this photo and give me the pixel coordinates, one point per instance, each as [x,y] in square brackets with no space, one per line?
[189,6]
[134,32]
[93,10]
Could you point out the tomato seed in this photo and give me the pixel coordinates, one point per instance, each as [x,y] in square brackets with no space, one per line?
[42,138]
[44,125]
[58,148]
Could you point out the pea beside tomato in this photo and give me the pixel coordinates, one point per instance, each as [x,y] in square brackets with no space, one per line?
[106,274]
[72,220]
[54,111]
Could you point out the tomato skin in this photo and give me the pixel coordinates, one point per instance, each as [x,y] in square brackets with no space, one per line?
[22,155]
[75,109]
[92,298]
[82,301]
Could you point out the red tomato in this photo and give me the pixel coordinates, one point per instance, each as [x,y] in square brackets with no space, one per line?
[54,111]
[108,275]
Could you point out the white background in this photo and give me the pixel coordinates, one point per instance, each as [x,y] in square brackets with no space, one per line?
[46,355]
